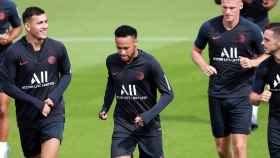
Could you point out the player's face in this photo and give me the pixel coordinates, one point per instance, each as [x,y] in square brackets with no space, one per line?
[37,26]
[127,48]
[271,43]
[231,9]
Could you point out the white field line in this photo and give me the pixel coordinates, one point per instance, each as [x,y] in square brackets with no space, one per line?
[111,39]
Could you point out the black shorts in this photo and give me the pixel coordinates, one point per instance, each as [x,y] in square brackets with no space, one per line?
[124,142]
[32,137]
[230,116]
[273,136]
[2,50]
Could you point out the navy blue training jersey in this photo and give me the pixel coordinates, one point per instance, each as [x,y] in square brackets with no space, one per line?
[8,17]
[255,12]
[42,74]
[269,73]
[135,87]
[225,48]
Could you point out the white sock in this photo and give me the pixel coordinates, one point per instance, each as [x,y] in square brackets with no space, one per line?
[4,148]
[254,119]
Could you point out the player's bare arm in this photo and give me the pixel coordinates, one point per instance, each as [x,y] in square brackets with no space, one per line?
[199,60]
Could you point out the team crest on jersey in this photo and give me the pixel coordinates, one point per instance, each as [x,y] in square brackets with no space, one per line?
[241,38]
[2,15]
[140,75]
[52,60]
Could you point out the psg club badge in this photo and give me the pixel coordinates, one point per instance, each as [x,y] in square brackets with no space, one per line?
[2,15]
[51,60]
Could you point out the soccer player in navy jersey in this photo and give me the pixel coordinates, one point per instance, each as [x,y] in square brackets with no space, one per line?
[134,77]
[269,73]
[235,48]
[39,71]
[257,12]
[10,29]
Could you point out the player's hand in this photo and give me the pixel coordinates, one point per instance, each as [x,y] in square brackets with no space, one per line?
[49,102]
[266,95]
[246,63]
[5,39]
[209,70]
[267,3]
[103,115]
[46,110]
[139,122]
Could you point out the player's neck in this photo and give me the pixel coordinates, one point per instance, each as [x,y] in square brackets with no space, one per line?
[134,56]
[277,57]
[35,42]
[229,25]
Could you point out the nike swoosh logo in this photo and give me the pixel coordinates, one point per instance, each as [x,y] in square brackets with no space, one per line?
[23,63]
[115,73]
[216,37]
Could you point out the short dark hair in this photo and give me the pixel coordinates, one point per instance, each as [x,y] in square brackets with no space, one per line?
[125,30]
[271,25]
[218,2]
[275,28]
[31,11]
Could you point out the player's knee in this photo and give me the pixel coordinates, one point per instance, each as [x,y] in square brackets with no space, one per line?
[223,149]
[239,147]
[222,152]
[3,111]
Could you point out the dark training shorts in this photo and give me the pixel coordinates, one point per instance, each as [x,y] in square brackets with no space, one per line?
[32,137]
[124,143]
[230,116]
[2,50]
[273,136]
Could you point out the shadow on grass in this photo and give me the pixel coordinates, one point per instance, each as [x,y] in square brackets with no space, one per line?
[189,118]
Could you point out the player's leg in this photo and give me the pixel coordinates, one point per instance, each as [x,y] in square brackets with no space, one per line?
[4,119]
[220,130]
[150,144]
[51,137]
[240,122]
[4,125]
[123,142]
[122,147]
[30,142]
[50,148]
[223,146]
[273,137]
[239,143]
